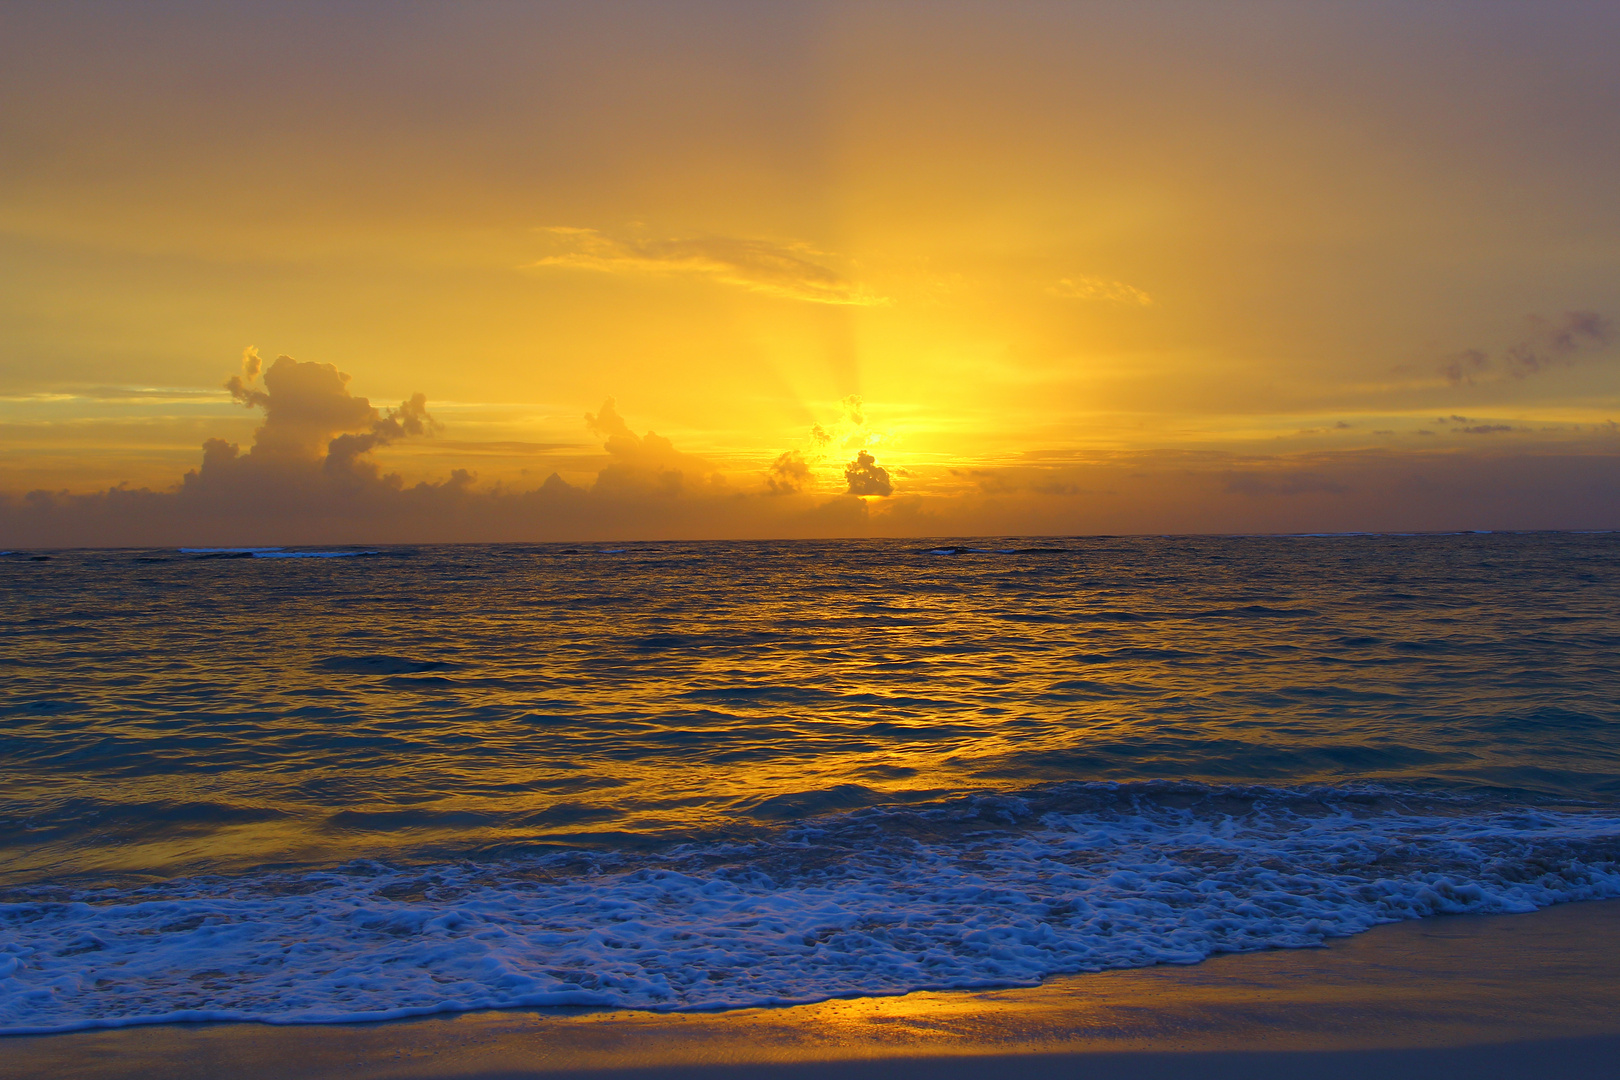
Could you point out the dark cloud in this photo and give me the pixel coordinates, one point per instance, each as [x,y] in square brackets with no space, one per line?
[310,417]
[788,474]
[344,453]
[309,466]
[867,477]
[1557,342]
[1547,343]
[1461,367]
[1467,425]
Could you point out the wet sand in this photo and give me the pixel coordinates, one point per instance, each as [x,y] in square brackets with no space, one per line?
[1466,996]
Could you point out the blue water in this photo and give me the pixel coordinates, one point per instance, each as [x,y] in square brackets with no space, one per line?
[316,785]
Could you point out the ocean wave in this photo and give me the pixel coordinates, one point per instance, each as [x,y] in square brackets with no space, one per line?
[975,890]
[270,553]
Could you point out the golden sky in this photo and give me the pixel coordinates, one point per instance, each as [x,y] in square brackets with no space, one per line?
[1052,268]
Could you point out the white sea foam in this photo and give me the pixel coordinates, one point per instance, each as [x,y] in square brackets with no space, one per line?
[980,892]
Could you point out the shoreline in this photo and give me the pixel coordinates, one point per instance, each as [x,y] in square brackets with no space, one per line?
[1447,995]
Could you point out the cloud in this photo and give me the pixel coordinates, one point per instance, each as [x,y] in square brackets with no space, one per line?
[310,418]
[1468,426]
[643,464]
[144,395]
[849,431]
[1462,366]
[788,474]
[411,419]
[309,478]
[1547,343]
[1557,342]
[1096,288]
[867,477]
[791,270]
[309,465]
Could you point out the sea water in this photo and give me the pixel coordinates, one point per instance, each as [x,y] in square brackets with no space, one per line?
[316,785]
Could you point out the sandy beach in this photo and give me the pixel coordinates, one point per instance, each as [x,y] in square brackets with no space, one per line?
[1475,996]
[720,540]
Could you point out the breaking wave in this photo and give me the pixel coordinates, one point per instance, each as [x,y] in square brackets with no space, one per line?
[977,890]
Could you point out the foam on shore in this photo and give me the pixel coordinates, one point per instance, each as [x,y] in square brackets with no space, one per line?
[975,891]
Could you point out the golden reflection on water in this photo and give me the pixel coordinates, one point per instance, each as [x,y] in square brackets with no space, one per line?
[191,715]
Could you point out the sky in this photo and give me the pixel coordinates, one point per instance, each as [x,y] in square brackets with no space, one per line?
[369,273]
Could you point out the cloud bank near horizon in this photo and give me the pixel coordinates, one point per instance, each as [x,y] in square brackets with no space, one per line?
[310,476]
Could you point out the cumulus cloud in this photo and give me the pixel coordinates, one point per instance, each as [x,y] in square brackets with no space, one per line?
[310,478]
[308,471]
[310,417]
[1096,288]
[789,474]
[792,473]
[866,477]
[1547,343]
[791,270]
[642,464]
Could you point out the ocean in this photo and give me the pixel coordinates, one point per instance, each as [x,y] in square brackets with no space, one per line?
[306,786]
